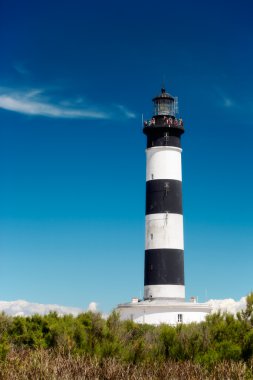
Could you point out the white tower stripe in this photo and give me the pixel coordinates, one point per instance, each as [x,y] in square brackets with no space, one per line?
[164,291]
[164,231]
[163,162]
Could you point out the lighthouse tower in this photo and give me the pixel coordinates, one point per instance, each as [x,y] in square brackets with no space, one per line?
[164,242]
[164,286]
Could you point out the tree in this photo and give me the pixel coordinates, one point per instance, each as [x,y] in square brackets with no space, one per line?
[247,314]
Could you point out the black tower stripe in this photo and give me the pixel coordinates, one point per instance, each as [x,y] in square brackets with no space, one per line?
[164,195]
[163,141]
[164,267]
[163,136]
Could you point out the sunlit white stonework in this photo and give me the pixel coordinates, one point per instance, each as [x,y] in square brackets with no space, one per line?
[163,162]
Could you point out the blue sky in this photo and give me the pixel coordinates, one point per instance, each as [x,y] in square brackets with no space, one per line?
[75,78]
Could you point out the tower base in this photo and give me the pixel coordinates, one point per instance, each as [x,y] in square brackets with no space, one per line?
[157,311]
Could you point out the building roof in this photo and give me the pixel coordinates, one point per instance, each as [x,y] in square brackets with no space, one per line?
[163,95]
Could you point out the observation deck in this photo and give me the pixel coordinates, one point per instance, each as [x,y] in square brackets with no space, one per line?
[160,121]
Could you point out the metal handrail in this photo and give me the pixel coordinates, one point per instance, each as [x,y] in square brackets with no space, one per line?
[167,122]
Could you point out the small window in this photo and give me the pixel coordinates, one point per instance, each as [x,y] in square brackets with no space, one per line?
[151,236]
[152,176]
[180,318]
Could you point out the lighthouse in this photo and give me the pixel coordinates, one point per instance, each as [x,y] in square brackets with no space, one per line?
[164,284]
[164,240]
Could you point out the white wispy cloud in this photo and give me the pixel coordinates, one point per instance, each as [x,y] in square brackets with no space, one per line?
[92,306]
[228,103]
[125,111]
[20,67]
[34,102]
[228,305]
[25,308]
[225,100]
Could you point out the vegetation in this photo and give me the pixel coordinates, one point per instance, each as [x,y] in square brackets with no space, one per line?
[87,347]
[48,365]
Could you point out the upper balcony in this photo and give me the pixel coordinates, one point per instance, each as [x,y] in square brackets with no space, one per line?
[164,122]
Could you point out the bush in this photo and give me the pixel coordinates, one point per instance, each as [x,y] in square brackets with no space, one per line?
[221,337]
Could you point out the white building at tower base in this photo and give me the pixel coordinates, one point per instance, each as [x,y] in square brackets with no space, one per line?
[157,311]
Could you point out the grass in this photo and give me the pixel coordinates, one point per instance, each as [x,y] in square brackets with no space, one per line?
[44,364]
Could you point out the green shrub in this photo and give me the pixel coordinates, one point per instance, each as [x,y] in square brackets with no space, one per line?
[221,337]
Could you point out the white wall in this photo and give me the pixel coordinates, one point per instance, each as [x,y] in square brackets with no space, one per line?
[164,291]
[163,163]
[156,318]
[164,230]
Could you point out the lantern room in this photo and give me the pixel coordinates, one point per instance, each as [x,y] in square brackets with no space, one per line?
[165,104]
